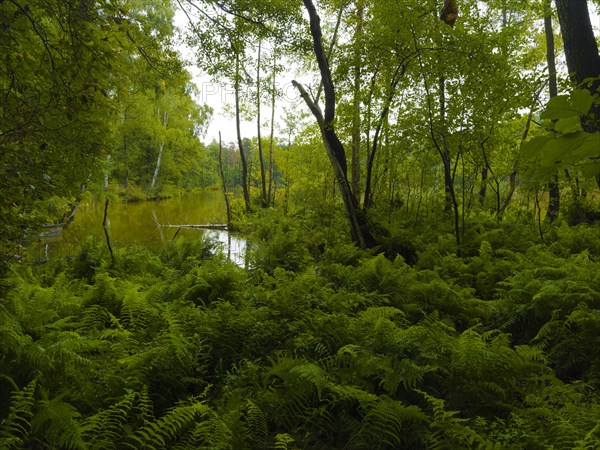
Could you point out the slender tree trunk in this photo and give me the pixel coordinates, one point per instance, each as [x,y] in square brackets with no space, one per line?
[239,135]
[356,105]
[491,172]
[161,144]
[223,183]
[106,173]
[263,177]
[483,189]
[270,194]
[553,187]
[384,113]
[513,175]
[126,175]
[444,150]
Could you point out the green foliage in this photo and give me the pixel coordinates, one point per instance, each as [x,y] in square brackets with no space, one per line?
[572,147]
[17,425]
[185,350]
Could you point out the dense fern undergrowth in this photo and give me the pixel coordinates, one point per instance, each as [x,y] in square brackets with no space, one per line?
[316,345]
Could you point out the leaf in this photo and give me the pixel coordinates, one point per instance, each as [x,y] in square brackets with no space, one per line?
[531,149]
[568,125]
[582,100]
[562,106]
[559,107]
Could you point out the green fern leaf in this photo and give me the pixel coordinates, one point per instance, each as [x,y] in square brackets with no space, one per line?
[15,428]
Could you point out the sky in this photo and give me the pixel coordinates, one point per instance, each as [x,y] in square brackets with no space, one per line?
[218,94]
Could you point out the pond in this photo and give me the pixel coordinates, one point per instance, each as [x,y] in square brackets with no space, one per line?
[148,223]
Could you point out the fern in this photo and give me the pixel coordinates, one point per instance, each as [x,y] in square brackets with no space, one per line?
[283,441]
[107,427]
[448,431]
[163,432]
[256,423]
[16,427]
[385,425]
[58,422]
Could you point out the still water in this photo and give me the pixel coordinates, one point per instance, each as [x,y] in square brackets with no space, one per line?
[148,223]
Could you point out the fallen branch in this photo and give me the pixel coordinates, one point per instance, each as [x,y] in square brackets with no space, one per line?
[206,226]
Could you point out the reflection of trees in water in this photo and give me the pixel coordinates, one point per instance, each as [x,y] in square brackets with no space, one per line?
[233,246]
[136,223]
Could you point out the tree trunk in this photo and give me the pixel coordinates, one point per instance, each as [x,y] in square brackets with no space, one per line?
[553,188]
[263,177]
[333,146]
[106,173]
[239,135]
[356,122]
[581,49]
[384,113]
[126,175]
[270,194]
[223,183]
[160,152]
[483,189]
[450,194]
[451,203]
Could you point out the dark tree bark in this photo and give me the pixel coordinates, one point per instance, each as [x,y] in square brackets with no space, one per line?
[581,49]
[483,188]
[333,146]
[553,187]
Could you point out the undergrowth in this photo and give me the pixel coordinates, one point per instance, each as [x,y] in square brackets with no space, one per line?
[316,345]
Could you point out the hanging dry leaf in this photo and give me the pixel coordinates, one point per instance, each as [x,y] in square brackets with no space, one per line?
[449,12]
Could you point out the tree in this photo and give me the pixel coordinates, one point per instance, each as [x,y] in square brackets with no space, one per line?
[581,52]
[62,63]
[554,189]
[333,146]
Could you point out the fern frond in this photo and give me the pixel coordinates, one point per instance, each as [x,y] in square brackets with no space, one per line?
[58,422]
[96,317]
[105,428]
[383,426]
[450,432]
[160,433]
[283,441]
[15,428]
[352,395]
[256,422]
[373,313]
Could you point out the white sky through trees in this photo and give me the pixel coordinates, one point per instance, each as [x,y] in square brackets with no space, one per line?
[219,95]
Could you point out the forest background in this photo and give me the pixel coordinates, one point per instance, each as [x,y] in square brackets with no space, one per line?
[423,267]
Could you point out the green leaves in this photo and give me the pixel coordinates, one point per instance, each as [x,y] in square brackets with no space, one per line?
[579,150]
[569,147]
[563,106]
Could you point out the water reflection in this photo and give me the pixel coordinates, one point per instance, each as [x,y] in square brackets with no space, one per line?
[232,246]
[151,224]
